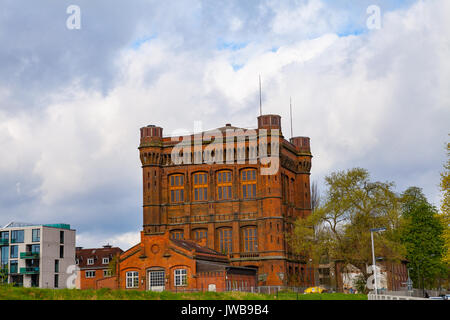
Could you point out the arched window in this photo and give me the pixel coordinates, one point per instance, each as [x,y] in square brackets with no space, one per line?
[132,279]
[225,240]
[177,234]
[224,183]
[199,234]
[176,188]
[180,277]
[200,182]
[250,239]
[248,183]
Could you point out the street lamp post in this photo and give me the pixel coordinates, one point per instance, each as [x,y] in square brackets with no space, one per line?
[374,266]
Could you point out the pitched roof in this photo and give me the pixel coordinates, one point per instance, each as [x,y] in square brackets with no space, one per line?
[207,266]
[97,254]
[200,252]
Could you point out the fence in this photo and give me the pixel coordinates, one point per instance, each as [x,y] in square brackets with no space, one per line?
[373,296]
[276,289]
[418,293]
[261,289]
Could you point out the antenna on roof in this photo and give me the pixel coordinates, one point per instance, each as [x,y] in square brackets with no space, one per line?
[260,99]
[290,106]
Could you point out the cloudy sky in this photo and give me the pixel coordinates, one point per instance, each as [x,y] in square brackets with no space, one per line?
[72,100]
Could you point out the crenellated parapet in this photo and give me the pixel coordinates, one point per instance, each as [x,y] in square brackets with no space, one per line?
[151,144]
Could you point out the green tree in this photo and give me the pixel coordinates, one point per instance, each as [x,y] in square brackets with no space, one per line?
[422,236]
[339,229]
[112,267]
[445,206]
[4,274]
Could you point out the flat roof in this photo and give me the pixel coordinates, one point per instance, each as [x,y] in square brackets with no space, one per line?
[25,224]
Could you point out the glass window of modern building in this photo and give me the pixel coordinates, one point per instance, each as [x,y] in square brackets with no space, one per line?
[17,236]
[36,235]
[14,251]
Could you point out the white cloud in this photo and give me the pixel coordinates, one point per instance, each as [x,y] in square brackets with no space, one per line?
[378,100]
[94,240]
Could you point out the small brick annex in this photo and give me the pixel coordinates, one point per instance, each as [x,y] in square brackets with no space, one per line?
[94,267]
[161,263]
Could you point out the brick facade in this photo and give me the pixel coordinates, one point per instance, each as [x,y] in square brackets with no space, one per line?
[92,269]
[160,263]
[194,200]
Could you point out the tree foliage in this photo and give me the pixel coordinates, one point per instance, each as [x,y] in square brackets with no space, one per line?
[339,229]
[445,206]
[422,235]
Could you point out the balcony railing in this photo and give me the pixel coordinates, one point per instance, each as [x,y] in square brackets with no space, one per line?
[29,270]
[249,254]
[4,242]
[29,255]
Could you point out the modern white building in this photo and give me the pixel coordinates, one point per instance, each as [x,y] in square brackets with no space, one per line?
[37,255]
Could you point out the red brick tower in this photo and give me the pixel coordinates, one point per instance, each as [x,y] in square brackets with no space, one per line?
[237,210]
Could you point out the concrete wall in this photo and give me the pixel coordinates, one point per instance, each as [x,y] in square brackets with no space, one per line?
[50,246]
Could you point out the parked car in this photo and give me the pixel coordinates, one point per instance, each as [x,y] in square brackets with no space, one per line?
[314,290]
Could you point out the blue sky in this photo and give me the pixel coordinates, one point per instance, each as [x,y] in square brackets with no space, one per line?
[72,101]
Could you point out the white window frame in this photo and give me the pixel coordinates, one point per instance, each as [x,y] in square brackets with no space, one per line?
[89,261]
[106,273]
[89,272]
[105,259]
[132,279]
[180,277]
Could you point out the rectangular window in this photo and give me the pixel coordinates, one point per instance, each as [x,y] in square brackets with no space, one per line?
[36,235]
[56,281]
[35,248]
[132,279]
[56,265]
[90,274]
[224,185]
[61,251]
[225,240]
[176,188]
[180,277]
[106,273]
[90,261]
[4,256]
[61,237]
[14,252]
[248,181]
[105,260]
[13,267]
[17,236]
[250,239]
[200,187]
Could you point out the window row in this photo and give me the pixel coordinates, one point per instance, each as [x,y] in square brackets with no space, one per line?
[223,189]
[91,273]
[156,278]
[249,238]
[18,236]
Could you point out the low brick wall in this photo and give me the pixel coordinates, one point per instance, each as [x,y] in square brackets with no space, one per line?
[110,282]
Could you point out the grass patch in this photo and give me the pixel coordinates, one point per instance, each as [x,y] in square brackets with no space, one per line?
[15,293]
